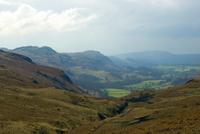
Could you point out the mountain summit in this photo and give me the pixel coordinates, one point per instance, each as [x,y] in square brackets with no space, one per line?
[35,50]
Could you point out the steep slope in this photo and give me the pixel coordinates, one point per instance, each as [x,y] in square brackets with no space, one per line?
[18,70]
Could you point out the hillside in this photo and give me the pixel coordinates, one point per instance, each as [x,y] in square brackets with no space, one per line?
[18,70]
[31,103]
[172,111]
[53,111]
[42,100]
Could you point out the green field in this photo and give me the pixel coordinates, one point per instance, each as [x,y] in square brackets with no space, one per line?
[150,84]
[116,93]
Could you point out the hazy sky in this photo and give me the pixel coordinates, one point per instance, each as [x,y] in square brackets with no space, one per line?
[109,26]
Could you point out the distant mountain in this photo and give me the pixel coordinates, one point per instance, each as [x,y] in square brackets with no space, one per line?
[46,55]
[93,60]
[4,49]
[90,69]
[150,58]
[43,55]
[31,49]
[18,70]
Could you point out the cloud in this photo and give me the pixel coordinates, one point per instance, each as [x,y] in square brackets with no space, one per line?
[26,19]
[156,3]
[122,25]
[4,2]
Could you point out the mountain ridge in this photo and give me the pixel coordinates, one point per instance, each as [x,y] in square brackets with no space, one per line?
[95,71]
[160,57]
[77,65]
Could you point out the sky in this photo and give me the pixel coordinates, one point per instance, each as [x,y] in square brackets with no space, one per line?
[109,26]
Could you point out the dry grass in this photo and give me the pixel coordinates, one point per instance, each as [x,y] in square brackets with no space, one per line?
[173,111]
[25,111]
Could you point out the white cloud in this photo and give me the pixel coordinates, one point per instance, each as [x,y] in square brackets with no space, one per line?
[121,23]
[26,19]
[4,2]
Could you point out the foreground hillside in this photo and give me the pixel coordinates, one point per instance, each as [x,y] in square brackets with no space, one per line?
[48,110]
[53,111]
[173,111]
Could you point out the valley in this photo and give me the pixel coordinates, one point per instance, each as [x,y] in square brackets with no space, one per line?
[36,99]
[99,67]
[94,71]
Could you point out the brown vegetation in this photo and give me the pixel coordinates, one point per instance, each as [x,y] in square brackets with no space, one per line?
[31,102]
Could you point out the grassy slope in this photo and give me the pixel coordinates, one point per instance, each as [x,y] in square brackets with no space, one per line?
[173,111]
[31,110]
[19,70]
[26,111]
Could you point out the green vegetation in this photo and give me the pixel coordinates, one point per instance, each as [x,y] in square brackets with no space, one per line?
[150,84]
[116,93]
[179,68]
